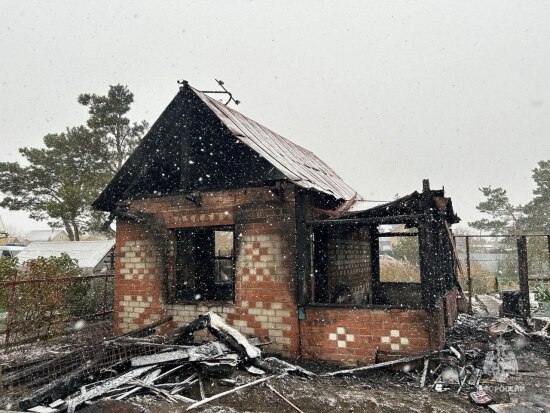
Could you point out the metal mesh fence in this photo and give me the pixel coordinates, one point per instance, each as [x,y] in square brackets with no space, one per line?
[38,310]
[494,265]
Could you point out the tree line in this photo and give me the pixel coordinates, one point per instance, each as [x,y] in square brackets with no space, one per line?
[58,182]
[502,217]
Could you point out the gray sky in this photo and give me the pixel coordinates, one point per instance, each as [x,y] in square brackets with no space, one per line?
[386,93]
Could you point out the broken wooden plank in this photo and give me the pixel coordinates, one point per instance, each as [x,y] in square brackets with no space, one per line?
[159,358]
[277,366]
[184,334]
[225,393]
[108,385]
[424,372]
[384,364]
[221,330]
[57,389]
[201,388]
[148,329]
[218,327]
[149,379]
[204,352]
[284,398]
[43,409]
[155,390]
[185,384]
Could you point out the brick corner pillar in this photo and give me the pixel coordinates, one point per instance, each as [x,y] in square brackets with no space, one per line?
[137,284]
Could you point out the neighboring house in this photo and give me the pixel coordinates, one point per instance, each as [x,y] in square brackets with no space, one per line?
[94,257]
[46,235]
[216,212]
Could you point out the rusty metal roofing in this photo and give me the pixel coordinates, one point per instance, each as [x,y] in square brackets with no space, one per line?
[298,164]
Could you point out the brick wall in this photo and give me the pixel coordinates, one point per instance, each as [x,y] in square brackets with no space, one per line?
[265,292]
[349,261]
[138,286]
[354,335]
[264,229]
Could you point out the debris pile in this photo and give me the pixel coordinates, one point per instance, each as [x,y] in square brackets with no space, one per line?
[171,367]
[481,360]
[479,356]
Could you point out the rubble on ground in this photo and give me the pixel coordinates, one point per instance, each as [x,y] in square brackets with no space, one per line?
[109,374]
[140,362]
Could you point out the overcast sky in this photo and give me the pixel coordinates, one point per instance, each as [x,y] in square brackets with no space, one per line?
[387,93]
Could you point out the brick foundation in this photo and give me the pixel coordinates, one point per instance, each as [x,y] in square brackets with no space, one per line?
[354,335]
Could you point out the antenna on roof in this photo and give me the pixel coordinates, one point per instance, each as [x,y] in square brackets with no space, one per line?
[224,91]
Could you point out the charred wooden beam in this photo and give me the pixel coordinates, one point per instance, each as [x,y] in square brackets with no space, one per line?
[148,329]
[225,393]
[384,364]
[382,220]
[302,261]
[109,385]
[398,234]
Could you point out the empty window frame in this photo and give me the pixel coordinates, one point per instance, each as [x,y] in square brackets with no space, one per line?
[399,256]
[205,264]
[341,263]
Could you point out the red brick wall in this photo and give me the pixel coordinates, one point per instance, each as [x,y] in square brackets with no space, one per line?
[354,335]
[265,291]
[264,230]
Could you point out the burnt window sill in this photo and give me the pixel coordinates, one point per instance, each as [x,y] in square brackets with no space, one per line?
[207,303]
[367,306]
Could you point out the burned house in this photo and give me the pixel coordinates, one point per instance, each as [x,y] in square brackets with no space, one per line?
[215,212]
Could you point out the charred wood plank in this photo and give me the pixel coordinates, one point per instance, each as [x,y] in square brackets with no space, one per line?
[225,393]
[270,387]
[204,352]
[148,329]
[108,385]
[219,329]
[384,364]
[57,389]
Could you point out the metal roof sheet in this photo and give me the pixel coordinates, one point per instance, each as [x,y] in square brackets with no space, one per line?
[88,253]
[298,164]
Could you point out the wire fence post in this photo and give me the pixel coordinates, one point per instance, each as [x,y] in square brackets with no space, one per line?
[469,275]
[105,294]
[523,273]
[10,310]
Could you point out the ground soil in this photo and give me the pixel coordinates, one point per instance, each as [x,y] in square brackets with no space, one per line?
[375,393]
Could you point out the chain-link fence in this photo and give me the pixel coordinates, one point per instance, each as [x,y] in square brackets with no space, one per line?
[495,264]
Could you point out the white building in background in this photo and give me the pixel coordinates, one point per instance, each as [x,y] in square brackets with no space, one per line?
[46,235]
[93,257]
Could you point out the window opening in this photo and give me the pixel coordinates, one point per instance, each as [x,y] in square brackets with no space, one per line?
[205,267]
